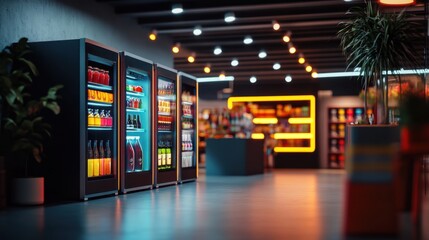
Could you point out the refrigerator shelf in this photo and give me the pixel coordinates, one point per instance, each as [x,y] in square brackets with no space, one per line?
[135,110]
[164,114]
[187,151]
[164,131]
[99,104]
[187,103]
[137,94]
[100,128]
[167,97]
[188,129]
[99,86]
[136,129]
[188,116]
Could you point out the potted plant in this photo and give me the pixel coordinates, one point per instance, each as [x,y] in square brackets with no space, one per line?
[376,43]
[23,130]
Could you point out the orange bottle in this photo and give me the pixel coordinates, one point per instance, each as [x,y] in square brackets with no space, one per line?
[90,161]
[108,159]
[102,159]
[96,159]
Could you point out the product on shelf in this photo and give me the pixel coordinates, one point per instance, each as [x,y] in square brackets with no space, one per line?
[138,155]
[130,157]
[96,159]
[95,119]
[100,96]
[99,76]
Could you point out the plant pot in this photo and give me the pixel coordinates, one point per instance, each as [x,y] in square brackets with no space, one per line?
[28,191]
[370,207]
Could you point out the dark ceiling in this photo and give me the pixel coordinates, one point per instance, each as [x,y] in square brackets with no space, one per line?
[313,24]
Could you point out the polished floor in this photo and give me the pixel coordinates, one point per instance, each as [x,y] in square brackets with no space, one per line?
[282,204]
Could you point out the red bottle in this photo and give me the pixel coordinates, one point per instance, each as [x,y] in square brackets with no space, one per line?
[138,155]
[130,157]
[90,74]
[96,75]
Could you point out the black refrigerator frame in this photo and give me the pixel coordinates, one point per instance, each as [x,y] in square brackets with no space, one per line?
[189,173]
[66,62]
[137,180]
[163,178]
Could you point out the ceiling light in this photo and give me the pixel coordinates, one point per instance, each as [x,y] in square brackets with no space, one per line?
[301,59]
[276,66]
[152,35]
[222,75]
[176,48]
[215,79]
[314,74]
[286,36]
[308,68]
[207,68]
[234,62]
[177,8]
[191,58]
[288,78]
[253,79]
[397,2]
[276,25]
[217,50]
[248,40]
[229,17]
[262,54]
[347,0]
[292,49]
[197,30]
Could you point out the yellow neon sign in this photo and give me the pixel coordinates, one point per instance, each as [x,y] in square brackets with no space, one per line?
[265,120]
[311,120]
[258,136]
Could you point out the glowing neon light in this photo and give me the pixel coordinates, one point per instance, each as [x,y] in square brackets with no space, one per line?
[258,136]
[293,135]
[300,120]
[265,120]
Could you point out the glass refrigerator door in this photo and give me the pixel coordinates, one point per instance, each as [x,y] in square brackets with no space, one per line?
[188,126]
[101,134]
[137,90]
[166,140]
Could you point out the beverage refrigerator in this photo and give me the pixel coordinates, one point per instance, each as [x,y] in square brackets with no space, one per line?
[187,140]
[164,147]
[81,160]
[136,172]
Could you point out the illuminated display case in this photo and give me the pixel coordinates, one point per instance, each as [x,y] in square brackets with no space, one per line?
[288,120]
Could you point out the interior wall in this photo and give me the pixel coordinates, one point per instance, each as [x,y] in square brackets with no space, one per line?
[44,20]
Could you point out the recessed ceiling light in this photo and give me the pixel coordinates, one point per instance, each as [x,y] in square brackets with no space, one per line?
[292,49]
[276,66]
[229,17]
[314,74]
[222,75]
[248,40]
[207,69]
[253,79]
[347,0]
[197,30]
[152,35]
[262,54]
[286,36]
[191,58]
[397,2]
[234,62]
[276,25]
[177,8]
[288,78]
[301,59]
[176,48]
[308,68]
[217,50]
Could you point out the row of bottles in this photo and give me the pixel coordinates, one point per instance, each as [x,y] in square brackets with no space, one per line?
[135,161]
[164,107]
[134,88]
[187,144]
[97,75]
[187,160]
[133,121]
[165,154]
[165,123]
[187,123]
[133,102]
[100,96]
[165,88]
[97,119]
[187,97]
[99,158]
[187,110]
